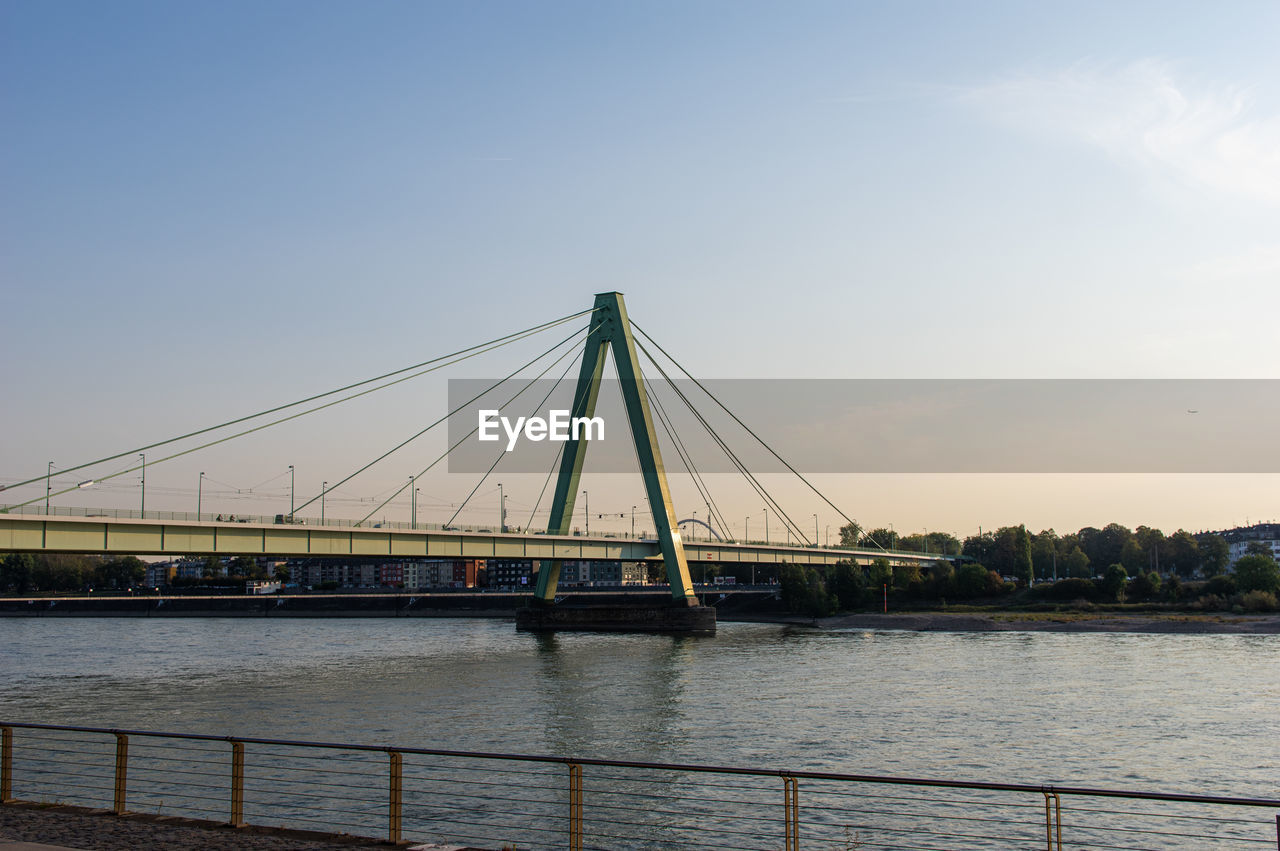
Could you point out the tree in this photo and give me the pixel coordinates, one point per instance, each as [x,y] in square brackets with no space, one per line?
[1105,546]
[120,572]
[1215,554]
[850,535]
[1077,563]
[1258,548]
[848,585]
[942,578]
[1257,573]
[1144,586]
[1022,554]
[1134,558]
[973,580]
[1114,581]
[906,575]
[805,592]
[886,538]
[1182,554]
[212,567]
[1044,554]
[980,548]
[880,573]
[16,570]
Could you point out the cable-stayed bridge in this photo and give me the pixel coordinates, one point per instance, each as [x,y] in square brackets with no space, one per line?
[23,527]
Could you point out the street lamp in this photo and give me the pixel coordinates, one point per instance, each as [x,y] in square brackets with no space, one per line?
[633,521]
[693,528]
[586,511]
[48,480]
[291,475]
[143,512]
[815,530]
[324,486]
[199,494]
[502,509]
[766,527]
[413,505]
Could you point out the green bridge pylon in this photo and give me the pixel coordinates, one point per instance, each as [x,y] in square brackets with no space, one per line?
[611,329]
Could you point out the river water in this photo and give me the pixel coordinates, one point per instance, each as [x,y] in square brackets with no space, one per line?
[1189,713]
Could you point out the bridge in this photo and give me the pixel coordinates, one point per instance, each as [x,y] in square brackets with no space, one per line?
[154,535]
[609,330]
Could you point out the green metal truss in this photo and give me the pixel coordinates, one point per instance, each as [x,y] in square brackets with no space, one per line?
[611,329]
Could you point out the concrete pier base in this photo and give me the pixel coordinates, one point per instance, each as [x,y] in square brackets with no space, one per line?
[641,618]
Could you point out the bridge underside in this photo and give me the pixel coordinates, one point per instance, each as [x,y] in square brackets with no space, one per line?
[128,536]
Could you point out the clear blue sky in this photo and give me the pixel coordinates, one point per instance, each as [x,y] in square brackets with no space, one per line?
[208,208]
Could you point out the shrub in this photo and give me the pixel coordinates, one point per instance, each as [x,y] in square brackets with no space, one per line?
[1211,603]
[1257,573]
[1258,601]
[1220,586]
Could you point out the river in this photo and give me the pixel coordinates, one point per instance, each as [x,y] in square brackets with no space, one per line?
[1191,713]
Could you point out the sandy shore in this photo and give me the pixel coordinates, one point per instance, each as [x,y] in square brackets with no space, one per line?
[1051,622]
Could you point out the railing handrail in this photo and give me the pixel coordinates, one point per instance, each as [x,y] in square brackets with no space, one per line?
[685,767]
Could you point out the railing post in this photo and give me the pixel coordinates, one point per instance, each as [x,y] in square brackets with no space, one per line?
[237,783]
[791,810]
[575,807]
[1052,818]
[6,765]
[394,799]
[122,771]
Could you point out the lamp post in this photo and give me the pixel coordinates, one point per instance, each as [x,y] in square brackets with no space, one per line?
[633,521]
[746,531]
[199,494]
[324,486]
[766,527]
[586,511]
[815,530]
[48,481]
[143,512]
[693,528]
[416,491]
[413,505]
[291,475]
[502,509]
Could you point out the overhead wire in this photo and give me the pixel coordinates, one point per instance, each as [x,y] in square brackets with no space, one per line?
[435,367]
[685,457]
[423,431]
[465,437]
[790,524]
[503,452]
[747,428]
[495,343]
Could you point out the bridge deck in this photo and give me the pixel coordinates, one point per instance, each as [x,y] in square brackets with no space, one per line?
[135,536]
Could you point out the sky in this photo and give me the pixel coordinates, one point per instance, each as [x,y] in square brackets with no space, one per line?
[210,209]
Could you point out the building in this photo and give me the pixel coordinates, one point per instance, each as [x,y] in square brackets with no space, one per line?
[1266,535]
[510,573]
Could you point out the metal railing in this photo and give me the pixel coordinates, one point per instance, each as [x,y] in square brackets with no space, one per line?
[518,800]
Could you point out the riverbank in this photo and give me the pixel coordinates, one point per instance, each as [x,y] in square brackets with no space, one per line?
[1051,622]
[101,830]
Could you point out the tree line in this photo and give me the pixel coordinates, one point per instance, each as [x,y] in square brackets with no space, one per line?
[992,566]
[1016,551]
[24,572]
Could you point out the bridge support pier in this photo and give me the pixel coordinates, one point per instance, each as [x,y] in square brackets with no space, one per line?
[611,329]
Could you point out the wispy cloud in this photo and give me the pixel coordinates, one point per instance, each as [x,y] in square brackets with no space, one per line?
[1142,114]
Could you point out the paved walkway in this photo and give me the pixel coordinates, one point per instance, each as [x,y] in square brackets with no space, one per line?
[26,827]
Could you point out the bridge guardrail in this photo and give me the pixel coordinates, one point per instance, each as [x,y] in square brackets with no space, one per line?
[526,801]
